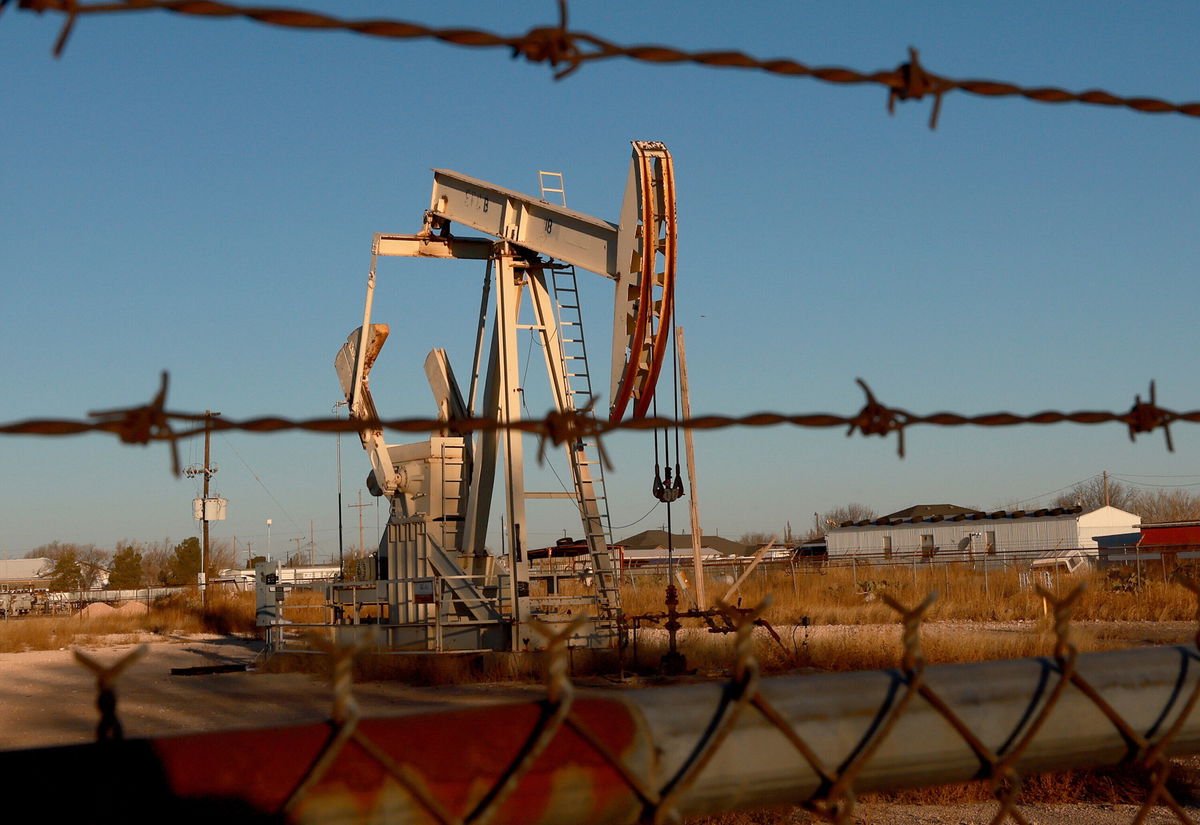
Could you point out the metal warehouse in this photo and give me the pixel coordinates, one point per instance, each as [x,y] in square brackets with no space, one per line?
[947,532]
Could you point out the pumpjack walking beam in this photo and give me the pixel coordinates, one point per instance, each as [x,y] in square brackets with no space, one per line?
[639,253]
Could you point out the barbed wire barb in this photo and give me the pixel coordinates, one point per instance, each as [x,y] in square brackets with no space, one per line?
[915,83]
[109,728]
[562,426]
[140,425]
[876,419]
[1146,417]
[551,44]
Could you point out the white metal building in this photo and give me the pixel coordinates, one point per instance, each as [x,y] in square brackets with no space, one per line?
[23,574]
[946,532]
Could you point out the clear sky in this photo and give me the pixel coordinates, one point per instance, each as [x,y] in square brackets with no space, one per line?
[200,196]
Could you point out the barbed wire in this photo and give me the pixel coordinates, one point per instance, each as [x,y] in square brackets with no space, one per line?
[560,46]
[153,422]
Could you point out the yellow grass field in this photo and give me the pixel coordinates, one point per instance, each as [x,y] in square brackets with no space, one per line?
[834,620]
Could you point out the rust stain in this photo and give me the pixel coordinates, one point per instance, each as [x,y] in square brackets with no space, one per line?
[458,756]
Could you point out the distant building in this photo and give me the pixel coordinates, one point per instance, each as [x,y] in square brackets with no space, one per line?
[1175,543]
[947,532]
[241,578]
[1167,536]
[24,574]
[651,547]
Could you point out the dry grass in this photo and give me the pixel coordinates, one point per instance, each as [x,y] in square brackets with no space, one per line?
[427,669]
[849,627]
[850,596]
[856,647]
[305,607]
[226,613]
[836,621]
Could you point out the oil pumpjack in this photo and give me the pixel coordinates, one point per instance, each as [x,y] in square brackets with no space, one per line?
[436,586]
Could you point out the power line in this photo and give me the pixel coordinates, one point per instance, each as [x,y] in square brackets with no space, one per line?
[262,484]
[1059,490]
[1159,486]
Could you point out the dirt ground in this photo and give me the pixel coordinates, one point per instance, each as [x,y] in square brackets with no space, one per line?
[47,698]
[981,814]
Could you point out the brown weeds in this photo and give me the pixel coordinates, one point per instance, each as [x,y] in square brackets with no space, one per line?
[850,595]
[225,613]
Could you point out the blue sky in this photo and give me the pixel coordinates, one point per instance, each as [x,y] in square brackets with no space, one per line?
[200,195]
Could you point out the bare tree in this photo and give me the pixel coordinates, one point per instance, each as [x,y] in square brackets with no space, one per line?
[54,551]
[1092,495]
[90,560]
[354,565]
[220,556]
[757,539]
[94,563]
[1166,505]
[156,558]
[854,511]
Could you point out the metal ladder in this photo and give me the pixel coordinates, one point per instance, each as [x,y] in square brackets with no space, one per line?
[590,492]
[588,469]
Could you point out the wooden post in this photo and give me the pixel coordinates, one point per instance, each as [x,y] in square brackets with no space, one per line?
[697,537]
[745,573]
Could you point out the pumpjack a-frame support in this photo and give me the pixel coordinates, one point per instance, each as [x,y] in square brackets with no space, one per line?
[441,490]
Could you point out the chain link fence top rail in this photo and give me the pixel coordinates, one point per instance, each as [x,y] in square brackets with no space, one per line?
[558,45]
[655,756]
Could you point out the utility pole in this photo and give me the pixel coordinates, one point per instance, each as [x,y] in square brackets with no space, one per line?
[207,471]
[689,446]
[361,548]
[1106,501]
[297,539]
[312,544]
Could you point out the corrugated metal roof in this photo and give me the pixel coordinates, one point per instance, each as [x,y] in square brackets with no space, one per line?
[926,510]
[651,539]
[931,513]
